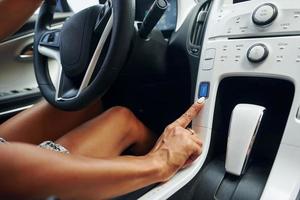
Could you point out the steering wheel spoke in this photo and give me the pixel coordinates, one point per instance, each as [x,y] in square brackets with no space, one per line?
[90,70]
[64,87]
[49,47]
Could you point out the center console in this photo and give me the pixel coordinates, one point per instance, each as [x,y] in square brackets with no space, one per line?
[251,54]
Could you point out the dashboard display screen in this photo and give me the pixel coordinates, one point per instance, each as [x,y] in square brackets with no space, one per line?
[168,20]
[239,1]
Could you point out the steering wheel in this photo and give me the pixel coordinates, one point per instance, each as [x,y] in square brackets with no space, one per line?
[90,49]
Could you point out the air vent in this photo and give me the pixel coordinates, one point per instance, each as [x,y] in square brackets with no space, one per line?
[197,28]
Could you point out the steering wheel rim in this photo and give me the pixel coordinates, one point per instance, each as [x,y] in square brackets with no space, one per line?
[121,23]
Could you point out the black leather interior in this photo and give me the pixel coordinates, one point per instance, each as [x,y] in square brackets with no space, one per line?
[76,41]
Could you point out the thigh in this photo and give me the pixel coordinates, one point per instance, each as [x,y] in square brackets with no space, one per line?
[45,122]
[108,135]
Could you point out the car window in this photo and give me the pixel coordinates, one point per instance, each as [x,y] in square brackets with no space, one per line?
[78,5]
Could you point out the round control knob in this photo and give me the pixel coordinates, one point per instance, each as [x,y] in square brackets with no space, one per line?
[257,53]
[264,14]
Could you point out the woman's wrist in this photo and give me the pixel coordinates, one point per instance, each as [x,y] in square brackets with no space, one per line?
[159,163]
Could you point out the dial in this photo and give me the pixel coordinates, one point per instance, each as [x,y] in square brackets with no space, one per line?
[257,53]
[264,14]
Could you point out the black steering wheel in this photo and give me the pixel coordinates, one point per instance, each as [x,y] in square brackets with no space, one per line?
[91,49]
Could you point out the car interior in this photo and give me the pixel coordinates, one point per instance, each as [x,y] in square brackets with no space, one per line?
[157,57]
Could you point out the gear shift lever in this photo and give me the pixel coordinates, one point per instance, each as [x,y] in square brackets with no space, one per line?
[244,125]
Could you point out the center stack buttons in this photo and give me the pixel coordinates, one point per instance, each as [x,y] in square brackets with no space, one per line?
[209,59]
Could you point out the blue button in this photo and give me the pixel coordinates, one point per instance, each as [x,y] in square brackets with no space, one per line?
[203,90]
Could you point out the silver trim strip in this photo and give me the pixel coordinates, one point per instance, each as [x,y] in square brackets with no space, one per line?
[252,142]
[25,57]
[15,110]
[96,55]
[16,39]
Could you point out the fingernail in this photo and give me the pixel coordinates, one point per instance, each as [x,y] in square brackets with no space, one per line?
[201,100]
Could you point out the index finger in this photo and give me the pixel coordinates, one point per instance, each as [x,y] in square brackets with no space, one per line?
[189,115]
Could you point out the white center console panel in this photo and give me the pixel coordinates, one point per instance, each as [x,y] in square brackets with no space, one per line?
[242,19]
[255,38]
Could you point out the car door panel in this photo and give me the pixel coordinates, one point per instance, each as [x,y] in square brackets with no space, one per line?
[18,86]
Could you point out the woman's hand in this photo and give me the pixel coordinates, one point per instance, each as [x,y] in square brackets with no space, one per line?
[178,147]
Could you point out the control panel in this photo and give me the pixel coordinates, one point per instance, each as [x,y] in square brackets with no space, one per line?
[253,18]
[272,55]
[260,39]
[254,33]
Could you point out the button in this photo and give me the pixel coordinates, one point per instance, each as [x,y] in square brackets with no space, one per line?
[257,53]
[208,64]
[203,90]
[209,59]
[264,14]
[298,113]
[210,54]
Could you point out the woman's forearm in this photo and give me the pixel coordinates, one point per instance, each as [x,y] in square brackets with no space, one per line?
[121,175]
[14,13]
[28,171]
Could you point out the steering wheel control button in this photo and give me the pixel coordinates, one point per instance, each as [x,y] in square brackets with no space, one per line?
[51,39]
[203,90]
[264,14]
[209,59]
[257,53]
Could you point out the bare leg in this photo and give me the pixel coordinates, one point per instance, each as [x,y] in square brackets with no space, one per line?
[44,122]
[108,135]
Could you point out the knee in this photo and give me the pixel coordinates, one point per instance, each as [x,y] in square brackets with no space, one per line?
[126,119]
[121,112]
